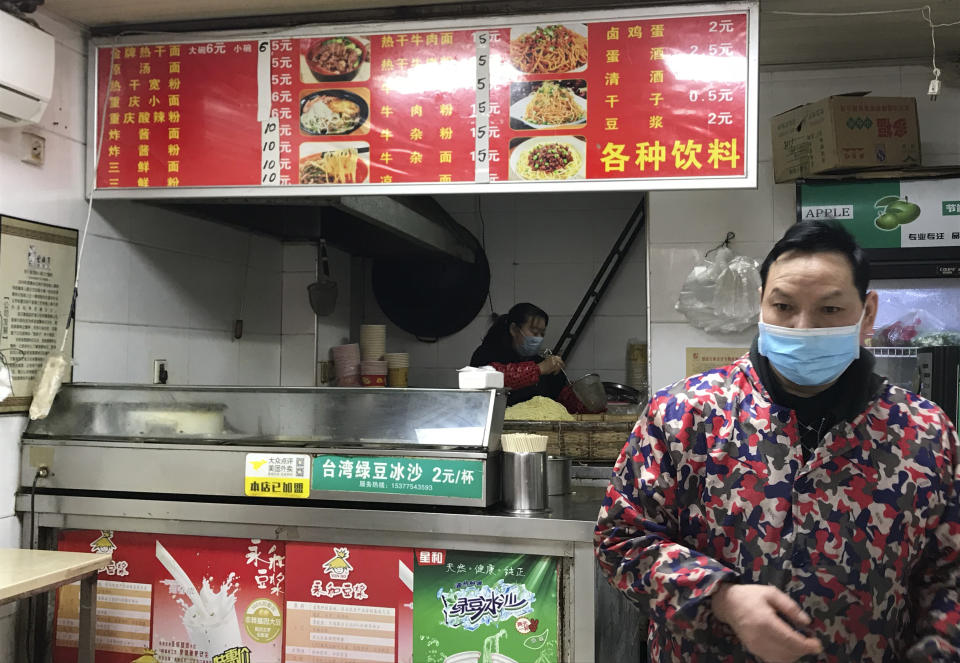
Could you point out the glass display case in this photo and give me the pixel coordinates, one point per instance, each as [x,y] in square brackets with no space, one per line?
[445,418]
[398,445]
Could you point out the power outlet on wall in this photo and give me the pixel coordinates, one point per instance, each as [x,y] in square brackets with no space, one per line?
[160,374]
[32,148]
[324,372]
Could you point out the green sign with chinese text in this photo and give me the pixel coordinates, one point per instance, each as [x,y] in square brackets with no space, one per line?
[436,477]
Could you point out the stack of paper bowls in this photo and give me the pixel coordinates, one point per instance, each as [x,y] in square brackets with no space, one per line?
[398,363]
[373,342]
[346,362]
[373,373]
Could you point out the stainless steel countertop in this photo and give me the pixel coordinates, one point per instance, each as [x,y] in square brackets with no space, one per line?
[583,505]
[571,518]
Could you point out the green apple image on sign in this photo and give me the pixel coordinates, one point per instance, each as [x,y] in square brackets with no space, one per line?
[893,212]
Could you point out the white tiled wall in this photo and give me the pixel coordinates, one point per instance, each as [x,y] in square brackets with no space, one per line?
[159,285]
[546,249]
[308,338]
[683,225]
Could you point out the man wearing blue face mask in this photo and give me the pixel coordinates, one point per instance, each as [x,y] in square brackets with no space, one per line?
[513,345]
[793,505]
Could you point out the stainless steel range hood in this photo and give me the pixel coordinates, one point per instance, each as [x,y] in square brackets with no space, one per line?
[367,226]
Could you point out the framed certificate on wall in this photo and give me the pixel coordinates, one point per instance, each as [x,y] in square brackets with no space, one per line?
[38,266]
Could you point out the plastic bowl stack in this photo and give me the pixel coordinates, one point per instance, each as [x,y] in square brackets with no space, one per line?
[373,373]
[398,364]
[346,362]
[373,342]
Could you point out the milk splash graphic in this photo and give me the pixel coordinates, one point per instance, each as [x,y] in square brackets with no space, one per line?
[210,618]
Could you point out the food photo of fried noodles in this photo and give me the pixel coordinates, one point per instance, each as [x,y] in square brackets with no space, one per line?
[334,166]
[558,158]
[552,104]
[549,49]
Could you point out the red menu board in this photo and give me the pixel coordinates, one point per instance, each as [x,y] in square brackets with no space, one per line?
[179,115]
[653,99]
[626,99]
[403,114]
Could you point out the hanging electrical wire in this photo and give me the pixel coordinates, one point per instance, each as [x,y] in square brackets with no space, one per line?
[57,363]
[925,12]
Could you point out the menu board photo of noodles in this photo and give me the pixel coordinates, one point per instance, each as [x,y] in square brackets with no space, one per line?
[334,163]
[549,158]
[548,104]
[332,59]
[549,49]
[335,112]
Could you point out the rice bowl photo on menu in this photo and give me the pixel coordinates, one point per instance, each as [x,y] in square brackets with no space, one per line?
[334,163]
[549,49]
[549,158]
[333,59]
[548,104]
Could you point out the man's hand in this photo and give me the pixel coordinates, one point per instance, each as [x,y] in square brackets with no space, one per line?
[757,614]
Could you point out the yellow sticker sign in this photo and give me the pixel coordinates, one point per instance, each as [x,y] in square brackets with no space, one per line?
[277,475]
[700,360]
[262,620]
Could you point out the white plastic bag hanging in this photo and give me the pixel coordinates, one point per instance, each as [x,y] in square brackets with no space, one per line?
[48,384]
[6,380]
[722,292]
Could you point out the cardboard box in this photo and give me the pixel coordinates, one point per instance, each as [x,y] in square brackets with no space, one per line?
[845,132]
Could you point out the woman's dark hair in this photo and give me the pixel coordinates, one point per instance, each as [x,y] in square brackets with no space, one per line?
[499,332]
[819,236]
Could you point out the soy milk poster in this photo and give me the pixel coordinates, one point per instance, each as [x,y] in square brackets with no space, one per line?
[485,608]
[218,600]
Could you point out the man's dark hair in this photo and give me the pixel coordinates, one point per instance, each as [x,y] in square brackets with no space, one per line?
[820,236]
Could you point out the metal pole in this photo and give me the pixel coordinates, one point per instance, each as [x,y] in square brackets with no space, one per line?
[88,618]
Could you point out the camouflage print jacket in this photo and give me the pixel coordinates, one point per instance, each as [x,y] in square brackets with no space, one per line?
[712,487]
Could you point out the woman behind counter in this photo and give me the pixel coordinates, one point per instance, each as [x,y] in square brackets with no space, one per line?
[512,346]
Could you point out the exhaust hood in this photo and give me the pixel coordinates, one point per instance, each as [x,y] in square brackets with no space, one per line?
[364,226]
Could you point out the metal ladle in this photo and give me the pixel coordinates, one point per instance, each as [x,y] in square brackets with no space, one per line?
[589,389]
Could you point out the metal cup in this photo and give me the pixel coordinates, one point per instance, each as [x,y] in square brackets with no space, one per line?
[558,475]
[525,482]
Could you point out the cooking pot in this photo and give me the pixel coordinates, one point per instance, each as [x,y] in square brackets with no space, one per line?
[589,389]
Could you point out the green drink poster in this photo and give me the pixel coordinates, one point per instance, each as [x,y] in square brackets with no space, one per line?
[888,214]
[472,607]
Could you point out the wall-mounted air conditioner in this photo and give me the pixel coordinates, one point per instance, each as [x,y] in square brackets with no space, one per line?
[26,71]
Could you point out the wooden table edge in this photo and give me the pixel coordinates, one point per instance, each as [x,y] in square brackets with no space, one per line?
[51,580]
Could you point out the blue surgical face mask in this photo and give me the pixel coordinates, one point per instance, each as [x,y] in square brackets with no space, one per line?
[530,345]
[810,357]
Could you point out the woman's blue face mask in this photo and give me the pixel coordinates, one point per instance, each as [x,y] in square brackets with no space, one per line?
[810,357]
[530,345]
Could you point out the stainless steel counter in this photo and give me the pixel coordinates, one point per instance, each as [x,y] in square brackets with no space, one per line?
[565,532]
[570,520]
[154,461]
